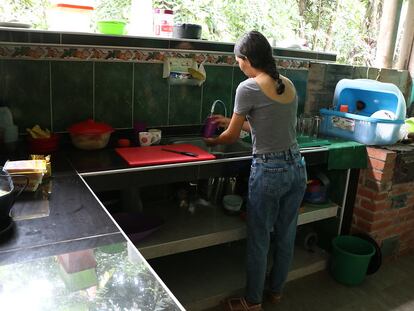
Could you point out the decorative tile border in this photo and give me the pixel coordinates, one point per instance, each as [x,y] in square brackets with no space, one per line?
[49,52]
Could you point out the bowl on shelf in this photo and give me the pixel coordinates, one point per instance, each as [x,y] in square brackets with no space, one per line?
[111,27]
[232,204]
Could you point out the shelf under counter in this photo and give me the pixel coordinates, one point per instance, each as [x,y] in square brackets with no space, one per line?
[223,272]
[207,226]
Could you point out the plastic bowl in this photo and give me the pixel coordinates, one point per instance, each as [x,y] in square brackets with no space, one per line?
[90,141]
[232,203]
[112,27]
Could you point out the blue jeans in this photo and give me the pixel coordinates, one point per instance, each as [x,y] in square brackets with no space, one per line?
[276,187]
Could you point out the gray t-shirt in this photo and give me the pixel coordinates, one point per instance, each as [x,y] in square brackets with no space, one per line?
[273,124]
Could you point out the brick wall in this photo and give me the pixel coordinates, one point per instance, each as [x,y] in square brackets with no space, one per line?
[385,209]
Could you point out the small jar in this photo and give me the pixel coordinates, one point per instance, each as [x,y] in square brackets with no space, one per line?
[163,22]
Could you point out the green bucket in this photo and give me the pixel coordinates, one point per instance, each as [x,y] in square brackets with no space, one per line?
[350,259]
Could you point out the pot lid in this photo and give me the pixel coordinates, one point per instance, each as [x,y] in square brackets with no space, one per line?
[90,127]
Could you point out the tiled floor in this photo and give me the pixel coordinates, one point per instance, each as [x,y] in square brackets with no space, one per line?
[389,289]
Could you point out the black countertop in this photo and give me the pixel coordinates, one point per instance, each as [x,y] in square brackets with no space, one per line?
[67,251]
[67,234]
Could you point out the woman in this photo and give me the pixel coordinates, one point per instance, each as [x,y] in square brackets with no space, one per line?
[266,105]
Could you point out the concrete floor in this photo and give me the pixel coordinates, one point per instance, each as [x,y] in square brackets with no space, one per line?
[389,289]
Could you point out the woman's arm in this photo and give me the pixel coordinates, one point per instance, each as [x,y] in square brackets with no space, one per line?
[231,134]
[224,122]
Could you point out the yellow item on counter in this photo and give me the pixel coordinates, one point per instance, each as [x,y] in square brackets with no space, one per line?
[48,172]
[37,132]
[32,169]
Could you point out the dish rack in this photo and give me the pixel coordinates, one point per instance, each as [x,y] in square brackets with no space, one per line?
[363,98]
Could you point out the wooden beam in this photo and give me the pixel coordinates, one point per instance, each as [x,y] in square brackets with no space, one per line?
[407,39]
[391,11]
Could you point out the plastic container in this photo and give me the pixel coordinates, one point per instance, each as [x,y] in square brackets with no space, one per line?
[188,31]
[210,127]
[90,135]
[163,22]
[111,27]
[43,145]
[138,225]
[350,259]
[362,129]
[364,98]
[232,203]
[70,17]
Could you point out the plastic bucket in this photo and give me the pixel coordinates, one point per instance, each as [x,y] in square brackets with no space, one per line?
[350,258]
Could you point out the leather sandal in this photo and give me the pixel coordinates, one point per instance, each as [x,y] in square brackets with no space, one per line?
[240,304]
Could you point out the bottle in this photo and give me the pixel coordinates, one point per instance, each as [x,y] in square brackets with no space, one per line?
[210,127]
[163,22]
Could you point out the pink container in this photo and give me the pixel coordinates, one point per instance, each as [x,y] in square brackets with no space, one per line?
[210,127]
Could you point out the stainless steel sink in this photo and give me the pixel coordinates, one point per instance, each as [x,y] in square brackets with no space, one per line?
[239,148]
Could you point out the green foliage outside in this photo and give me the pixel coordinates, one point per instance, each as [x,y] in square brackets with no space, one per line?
[346,27]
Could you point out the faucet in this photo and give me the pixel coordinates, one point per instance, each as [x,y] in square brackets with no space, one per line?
[213,106]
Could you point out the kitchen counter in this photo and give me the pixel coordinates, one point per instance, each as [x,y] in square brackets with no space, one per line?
[71,224]
[67,251]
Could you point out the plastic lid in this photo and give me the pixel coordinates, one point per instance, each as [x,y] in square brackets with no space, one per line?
[90,127]
[74,6]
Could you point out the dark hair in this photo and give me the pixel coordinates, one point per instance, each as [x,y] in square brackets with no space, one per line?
[255,47]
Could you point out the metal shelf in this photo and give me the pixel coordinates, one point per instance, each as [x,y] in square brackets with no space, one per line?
[203,278]
[208,226]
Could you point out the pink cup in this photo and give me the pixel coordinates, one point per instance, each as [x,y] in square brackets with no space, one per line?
[210,127]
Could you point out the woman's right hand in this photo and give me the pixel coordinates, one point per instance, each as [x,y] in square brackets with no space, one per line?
[221,121]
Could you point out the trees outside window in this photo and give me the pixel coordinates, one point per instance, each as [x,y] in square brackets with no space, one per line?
[346,27]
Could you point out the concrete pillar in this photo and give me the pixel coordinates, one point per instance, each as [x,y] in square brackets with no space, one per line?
[387,36]
[407,39]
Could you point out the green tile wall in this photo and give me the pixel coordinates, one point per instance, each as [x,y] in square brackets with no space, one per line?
[299,78]
[24,87]
[218,85]
[72,93]
[185,105]
[150,94]
[56,94]
[113,94]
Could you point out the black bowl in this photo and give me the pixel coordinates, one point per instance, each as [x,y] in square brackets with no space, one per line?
[187,31]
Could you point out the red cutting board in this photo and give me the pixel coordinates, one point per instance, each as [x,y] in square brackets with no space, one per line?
[153,155]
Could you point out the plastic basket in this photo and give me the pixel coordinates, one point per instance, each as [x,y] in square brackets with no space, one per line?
[366,130]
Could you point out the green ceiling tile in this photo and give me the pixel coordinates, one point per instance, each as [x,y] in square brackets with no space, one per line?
[25,88]
[72,93]
[218,85]
[113,93]
[185,105]
[150,94]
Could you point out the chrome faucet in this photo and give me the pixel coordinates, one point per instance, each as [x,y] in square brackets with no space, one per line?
[213,106]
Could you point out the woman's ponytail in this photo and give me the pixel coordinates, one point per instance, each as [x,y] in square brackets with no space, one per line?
[280,86]
[272,71]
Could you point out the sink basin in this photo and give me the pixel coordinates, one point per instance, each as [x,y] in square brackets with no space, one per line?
[239,148]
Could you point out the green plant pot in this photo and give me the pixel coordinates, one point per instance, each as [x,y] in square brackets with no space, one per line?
[111,27]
